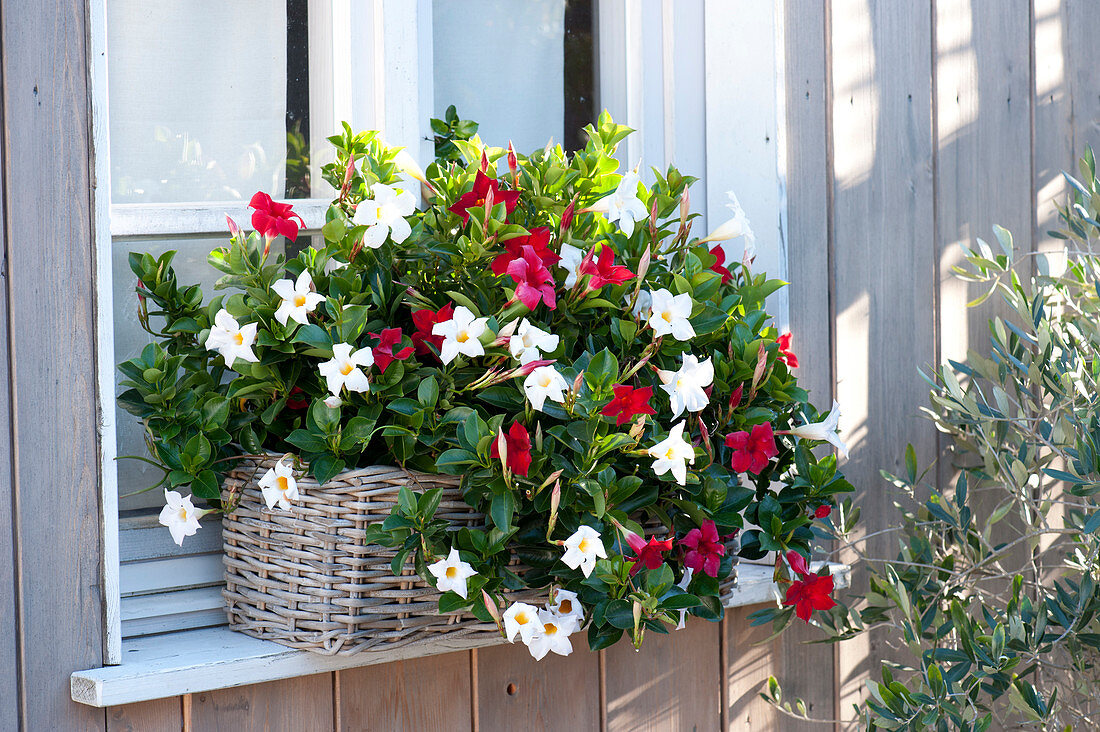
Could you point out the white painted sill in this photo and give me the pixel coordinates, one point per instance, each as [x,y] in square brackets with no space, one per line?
[192,661]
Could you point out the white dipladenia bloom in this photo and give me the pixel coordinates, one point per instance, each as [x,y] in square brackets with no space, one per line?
[683,585]
[673,453]
[179,515]
[334,265]
[582,549]
[384,215]
[623,205]
[542,383]
[344,369]
[530,342]
[461,334]
[554,636]
[669,314]
[232,341]
[299,299]
[279,486]
[686,387]
[523,619]
[566,605]
[824,430]
[570,261]
[737,225]
[333,402]
[451,574]
[643,306]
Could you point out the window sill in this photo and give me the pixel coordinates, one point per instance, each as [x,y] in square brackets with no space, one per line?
[193,661]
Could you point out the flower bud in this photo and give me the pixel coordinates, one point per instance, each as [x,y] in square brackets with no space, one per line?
[567,215]
[333,402]
[234,230]
[685,206]
[513,164]
[494,613]
[484,162]
[555,501]
[643,265]
[735,397]
[577,383]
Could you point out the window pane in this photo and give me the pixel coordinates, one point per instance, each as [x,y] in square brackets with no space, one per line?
[202,96]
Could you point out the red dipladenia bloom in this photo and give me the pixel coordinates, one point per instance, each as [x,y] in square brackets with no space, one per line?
[718,267]
[533,280]
[705,549]
[272,218]
[604,271]
[476,198]
[751,451]
[383,352]
[648,554]
[823,511]
[424,320]
[294,399]
[538,239]
[518,443]
[628,403]
[785,354]
[810,593]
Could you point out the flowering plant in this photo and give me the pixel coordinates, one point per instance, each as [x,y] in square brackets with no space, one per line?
[543,326]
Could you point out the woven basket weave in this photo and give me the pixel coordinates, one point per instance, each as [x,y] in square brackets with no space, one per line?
[306,579]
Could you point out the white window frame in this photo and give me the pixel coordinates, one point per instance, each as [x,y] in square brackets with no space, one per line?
[642,53]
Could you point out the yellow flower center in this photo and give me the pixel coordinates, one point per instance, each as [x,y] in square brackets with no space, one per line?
[462,336]
[346,368]
[679,383]
[239,339]
[522,618]
[378,213]
[667,316]
[452,572]
[183,514]
[670,453]
[299,301]
[544,382]
[550,629]
[584,547]
[282,484]
[565,607]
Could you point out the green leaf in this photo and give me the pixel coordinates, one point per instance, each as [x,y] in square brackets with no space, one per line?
[324,467]
[307,441]
[205,485]
[501,509]
[602,370]
[325,417]
[427,393]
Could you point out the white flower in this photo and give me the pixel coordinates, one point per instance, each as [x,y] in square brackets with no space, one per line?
[384,215]
[230,340]
[544,382]
[461,334]
[685,387]
[737,225]
[570,261]
[673,453]
[299,299]
[451,574]
[669,314]
[623,205]
[530,342]
[408,165]
[554,636]
[523,619]
[683,585]
[566,605]
[333,402]
[279,486]
[643,306]
[583,548]
[824,430]
[179,515]
[343,370]
[334,265]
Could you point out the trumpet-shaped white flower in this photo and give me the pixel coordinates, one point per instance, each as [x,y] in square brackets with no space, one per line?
[824,430]
[334,265]
[543,383]
[566,605]
[451,574]
[582,549]
[643,306]
[623,205]
[522,619]
[669,314]
[231,340]
[686,387]
[408,165]
[299,299]
[384,215]
[673,453]
[180,516]
[683,585]
[737,225]
[279,486]
[556,630]
[570,261]
[530,342]
[461,334]
[344,369]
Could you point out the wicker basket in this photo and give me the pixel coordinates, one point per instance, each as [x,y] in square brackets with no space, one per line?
[304,577]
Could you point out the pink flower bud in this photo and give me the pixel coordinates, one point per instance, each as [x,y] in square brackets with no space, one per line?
[234,230]
[513,164]
[567,215]
[484,162]
[685,206]
[735,397]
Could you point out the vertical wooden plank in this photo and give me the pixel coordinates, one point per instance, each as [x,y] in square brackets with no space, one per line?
[162,715]
[556,693]
[48,211]
[419,694]
[303,704]
[673,682]
[884,261]
[750,665]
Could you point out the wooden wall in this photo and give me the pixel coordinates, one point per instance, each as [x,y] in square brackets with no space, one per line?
[912,126]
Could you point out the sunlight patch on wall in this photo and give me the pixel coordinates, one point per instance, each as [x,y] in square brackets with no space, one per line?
[855,93]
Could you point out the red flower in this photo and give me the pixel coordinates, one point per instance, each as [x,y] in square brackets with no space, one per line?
[823,511]
[518,443]
[424,320]
[533,280]
[272,218]
[628,403]
[476,198]
[706,550]
[538,239]
[810,593]
[797,562]
[292,400]
[605,271]
[647,554]
[752,451]
[785,354]
[720,256]
[383,352]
